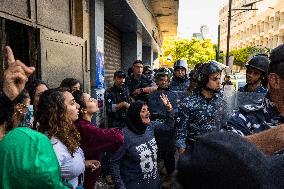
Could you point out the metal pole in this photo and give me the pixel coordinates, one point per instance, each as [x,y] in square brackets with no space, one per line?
[218,45]
[229,32]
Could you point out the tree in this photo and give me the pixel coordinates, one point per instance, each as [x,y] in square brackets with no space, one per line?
[194,50]
[241,56]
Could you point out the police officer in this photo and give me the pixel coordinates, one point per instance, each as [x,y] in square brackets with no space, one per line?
[263,125]
[165,140]
[256,72]
[148,72]
[138,84]
[202,111]
[117,101]
[180,81]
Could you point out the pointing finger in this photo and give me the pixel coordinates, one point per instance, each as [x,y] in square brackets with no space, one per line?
[10,55]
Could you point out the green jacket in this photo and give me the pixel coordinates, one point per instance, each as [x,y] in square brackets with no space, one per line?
[27,161]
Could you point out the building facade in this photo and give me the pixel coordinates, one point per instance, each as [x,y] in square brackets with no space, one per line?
[85,39]
[263,27]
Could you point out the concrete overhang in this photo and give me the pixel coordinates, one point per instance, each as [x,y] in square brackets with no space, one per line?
[153,19]
[166,13]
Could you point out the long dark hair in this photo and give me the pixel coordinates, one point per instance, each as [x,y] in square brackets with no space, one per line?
[52,119]
[31,88]
[79,98]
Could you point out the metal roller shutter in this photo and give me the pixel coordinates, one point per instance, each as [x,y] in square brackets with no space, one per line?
[112,52]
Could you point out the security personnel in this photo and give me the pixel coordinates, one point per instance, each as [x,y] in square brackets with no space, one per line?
[256,72]
[165,140]
[117,101]
[138,84]
[148,72]
[202,111]
[262,124]
[180,81]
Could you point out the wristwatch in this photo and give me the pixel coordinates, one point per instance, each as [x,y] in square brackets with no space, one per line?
[141,90]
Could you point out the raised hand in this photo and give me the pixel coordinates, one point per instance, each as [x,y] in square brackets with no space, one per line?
[166,102]
[15,76]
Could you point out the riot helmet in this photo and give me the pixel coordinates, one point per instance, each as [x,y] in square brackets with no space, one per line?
[180,64]
[119,74]
[259,62]
[203,72]
[161,72]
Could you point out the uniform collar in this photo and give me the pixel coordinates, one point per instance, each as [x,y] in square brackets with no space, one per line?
[270,109]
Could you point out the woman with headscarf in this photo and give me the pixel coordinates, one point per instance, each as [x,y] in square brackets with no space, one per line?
[134,166]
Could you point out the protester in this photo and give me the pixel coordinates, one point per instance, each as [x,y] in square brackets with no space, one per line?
[201,112]
[94,141]
[27,157]
[57,110]
[134,166]
[257,68]
[138,84]
[263,125]
[35,89]
[71,84]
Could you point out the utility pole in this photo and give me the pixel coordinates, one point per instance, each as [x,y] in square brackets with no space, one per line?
[218,46]
[250,5]
[229,32]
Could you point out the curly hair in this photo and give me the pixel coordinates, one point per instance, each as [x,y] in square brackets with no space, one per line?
[52,119]
[79,98]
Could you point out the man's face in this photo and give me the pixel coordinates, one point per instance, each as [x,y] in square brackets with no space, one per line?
[276,87]
[214,81]
[163,82]
[119,81]
[137,69]
[180,72]
[252,75]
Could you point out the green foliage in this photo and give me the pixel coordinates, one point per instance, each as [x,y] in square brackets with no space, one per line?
[241,56]
[194,50]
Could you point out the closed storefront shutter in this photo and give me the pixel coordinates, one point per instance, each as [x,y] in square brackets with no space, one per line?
[112,52]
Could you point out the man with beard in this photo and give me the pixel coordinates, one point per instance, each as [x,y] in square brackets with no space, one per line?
[200,113]
[117,99]
[165,140]
[180,81]
[263,125]
[257,68]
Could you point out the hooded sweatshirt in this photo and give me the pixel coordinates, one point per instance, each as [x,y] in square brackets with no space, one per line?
[134,165]
[95,141]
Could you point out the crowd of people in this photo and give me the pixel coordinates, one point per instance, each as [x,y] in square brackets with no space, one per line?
[154,120]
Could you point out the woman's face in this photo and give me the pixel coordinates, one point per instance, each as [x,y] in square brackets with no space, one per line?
[145,115]
[91,103]
[72,108]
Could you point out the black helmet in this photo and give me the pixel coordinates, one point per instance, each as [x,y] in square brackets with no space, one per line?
[180,64]
[259,62]
[204,70]
[119,74]
[162,72]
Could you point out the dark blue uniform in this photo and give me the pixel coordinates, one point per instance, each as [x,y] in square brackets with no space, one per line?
[134,84]
[252,119]
[178,84]
[259,89]
[198,115]
[115,95]
[165,140]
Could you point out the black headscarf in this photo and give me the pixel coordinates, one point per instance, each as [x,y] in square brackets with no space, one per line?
[134,121]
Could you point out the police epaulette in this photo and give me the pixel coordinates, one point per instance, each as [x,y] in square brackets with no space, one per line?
[251,107]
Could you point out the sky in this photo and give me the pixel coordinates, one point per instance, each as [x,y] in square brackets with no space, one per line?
[194,13]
